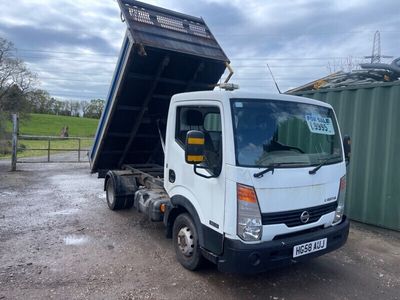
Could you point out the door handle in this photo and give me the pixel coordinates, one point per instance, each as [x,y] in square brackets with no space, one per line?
[171,176]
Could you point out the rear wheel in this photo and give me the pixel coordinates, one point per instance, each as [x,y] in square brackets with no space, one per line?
[186,242]
[113,201]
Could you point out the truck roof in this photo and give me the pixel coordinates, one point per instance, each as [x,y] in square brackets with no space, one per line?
[227,95]
[163,53]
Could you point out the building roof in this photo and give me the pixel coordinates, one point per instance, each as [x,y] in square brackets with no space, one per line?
[370,74]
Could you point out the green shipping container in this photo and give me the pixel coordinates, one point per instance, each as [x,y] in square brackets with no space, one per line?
[370,114]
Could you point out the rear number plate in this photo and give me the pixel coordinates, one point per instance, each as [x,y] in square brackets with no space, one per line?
[309,247]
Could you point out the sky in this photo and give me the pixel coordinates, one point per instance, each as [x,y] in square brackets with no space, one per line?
[73,45]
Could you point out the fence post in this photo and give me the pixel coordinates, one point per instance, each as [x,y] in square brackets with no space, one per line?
[79,150]
[14,143]
[48,150]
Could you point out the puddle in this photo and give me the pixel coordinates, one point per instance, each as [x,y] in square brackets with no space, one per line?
[75,240]
[64,212]
[3,194]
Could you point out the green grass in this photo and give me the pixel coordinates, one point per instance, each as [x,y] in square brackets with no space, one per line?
[51,125]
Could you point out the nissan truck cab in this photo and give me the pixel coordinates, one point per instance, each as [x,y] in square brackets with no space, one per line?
[254,181]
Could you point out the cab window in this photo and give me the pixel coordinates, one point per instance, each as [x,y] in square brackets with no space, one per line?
[208,120]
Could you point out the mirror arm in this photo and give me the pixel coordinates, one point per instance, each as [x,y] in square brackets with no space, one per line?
[195,167]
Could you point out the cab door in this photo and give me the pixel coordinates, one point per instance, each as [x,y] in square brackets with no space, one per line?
[207,195]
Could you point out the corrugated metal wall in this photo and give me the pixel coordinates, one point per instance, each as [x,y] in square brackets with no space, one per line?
[371,116]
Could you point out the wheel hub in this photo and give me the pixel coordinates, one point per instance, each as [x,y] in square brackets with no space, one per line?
[110,193]
[185,241]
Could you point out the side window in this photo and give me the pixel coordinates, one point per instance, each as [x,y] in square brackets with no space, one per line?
[208,120]
[212,122]
[187,118]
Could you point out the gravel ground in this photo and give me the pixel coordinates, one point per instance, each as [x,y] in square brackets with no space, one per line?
[59,240]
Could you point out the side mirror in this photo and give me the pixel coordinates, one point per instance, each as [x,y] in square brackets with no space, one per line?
[194,147]
[347,148]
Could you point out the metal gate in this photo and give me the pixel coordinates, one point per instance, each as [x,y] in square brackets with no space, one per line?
[47,149]
[52,149]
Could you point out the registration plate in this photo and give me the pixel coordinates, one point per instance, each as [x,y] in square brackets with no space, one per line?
[309,247]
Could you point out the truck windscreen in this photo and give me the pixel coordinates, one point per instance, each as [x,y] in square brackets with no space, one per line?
[275,132]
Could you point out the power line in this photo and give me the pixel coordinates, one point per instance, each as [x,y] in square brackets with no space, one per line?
[64,72]
[299,33]
[255,58]
[254,32]
[70,59]
[76,95]
[105,62]
[235,78]
[260,58]
[281,66]
[73,80]
[65,52]
[78,92]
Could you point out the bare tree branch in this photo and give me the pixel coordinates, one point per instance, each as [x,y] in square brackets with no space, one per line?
[13,74]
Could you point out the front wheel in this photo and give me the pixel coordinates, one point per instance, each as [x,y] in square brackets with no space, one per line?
[186,242]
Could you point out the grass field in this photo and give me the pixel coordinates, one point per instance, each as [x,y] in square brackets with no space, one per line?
[51,125]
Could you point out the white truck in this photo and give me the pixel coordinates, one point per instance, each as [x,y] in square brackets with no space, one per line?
[247,181]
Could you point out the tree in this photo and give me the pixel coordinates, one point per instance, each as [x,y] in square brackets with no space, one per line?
[94,109]
[15,101]
[84,104]
[75,108]
[40,101]
[66,108]
[15,79]
[4,138]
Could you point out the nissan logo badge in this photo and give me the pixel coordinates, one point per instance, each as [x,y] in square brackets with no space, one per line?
[305,216]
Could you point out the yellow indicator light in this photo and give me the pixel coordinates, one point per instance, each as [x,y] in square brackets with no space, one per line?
[199,158]
[246,193]
[195,141]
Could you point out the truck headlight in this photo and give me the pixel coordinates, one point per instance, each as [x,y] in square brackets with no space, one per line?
[341,199]
[249,225]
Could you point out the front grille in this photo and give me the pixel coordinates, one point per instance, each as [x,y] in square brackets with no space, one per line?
[292,218]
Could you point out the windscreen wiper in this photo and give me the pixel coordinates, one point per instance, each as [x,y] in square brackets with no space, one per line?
[269,168]
[313,171]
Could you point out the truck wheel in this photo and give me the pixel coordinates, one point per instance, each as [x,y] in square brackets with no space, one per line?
[113,202]
[186,242]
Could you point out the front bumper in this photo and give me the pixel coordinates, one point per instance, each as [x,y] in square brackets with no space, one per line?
[239,257]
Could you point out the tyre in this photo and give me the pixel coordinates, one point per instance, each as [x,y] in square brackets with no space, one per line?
[113,202]
[186,242]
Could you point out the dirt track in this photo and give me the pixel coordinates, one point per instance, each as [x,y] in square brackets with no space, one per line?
[59,240]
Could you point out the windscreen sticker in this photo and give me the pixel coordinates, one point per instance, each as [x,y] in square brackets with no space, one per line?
[320,125]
